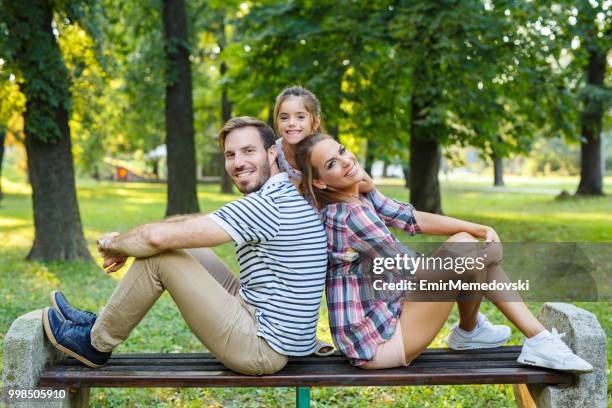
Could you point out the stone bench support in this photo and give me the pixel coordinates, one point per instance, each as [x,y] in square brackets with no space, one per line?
[26,351]
[585,336]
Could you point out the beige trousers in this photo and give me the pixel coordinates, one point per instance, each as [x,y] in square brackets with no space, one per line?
[207,298]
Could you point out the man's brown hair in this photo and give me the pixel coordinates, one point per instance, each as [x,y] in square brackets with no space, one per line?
[265,131]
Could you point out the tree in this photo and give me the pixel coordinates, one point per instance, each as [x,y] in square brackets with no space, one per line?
[226,105]
[412,74]
[212,20]
[595,32]
[32,50]
[498,170]
[182,183]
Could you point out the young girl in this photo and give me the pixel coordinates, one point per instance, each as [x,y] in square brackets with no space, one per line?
[391,332]
[297,115]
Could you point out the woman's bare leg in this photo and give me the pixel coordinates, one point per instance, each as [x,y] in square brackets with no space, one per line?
[421,322]
[516,311]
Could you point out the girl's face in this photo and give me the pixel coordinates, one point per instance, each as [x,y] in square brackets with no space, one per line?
[336,166]
[294,122]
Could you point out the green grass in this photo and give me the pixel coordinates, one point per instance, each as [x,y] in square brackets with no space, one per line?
[24,286]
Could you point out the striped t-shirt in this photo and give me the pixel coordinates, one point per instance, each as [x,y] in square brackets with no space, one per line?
[281,247]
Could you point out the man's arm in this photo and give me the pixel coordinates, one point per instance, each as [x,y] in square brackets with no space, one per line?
[182,217]
[153,238]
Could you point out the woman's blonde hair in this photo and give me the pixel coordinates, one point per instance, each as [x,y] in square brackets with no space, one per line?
[317,196]
[310,101]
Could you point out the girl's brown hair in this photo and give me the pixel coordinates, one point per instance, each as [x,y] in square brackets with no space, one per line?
[310,101]
[317,196]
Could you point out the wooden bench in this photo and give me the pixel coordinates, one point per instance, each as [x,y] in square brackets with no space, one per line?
[435,366]
[29,361]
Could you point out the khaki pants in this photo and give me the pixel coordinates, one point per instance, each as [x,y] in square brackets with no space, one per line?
[208,299]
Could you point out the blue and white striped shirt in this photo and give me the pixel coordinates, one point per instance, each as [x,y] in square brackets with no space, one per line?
[281,247]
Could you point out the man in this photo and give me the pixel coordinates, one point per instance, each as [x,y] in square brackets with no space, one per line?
[250,325]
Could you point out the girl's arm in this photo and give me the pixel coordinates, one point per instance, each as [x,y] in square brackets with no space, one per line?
[435,224]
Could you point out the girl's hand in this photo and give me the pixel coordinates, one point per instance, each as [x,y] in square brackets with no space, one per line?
[490,235]
[366,185]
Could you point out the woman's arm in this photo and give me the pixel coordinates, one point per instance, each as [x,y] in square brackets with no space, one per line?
[435,224]
[393,213]
[367,234]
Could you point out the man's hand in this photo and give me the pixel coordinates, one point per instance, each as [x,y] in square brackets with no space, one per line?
[112,262]
[102,242]
[490,235]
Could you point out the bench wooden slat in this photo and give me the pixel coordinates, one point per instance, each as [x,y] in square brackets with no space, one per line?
[207,358]
[427,352]
[433,367]
[292,367]
[348,376]
[125,362]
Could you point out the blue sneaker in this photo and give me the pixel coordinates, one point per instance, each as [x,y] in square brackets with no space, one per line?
[68,312]
[72,339]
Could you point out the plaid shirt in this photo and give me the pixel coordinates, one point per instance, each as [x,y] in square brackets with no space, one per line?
[359,317]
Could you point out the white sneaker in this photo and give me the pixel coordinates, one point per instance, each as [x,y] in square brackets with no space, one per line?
[484,335]
[549,351]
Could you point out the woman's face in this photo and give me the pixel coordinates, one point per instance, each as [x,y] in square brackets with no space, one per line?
[294,121]
[336,166]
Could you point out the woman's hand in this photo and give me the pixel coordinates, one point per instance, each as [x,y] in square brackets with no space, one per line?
[490,235]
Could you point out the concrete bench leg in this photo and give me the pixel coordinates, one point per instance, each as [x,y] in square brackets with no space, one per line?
[26,351]
[584,335]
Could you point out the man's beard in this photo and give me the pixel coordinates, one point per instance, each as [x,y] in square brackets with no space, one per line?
[264,174]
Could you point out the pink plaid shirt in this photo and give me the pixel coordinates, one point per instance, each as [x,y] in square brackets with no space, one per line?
[359,317]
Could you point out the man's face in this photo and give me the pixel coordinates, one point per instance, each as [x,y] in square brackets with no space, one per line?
[246,160]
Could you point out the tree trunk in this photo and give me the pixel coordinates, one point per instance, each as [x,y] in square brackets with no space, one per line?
[226,114]
[424,166]
[333,132]
[424,162]
[498,171]
[270,120]
[591,119]
[369,157]
[385,171]
[406,171]
[58,233]
[2,138]
[182,183]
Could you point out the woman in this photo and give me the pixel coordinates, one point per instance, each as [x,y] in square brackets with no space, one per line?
[392,330]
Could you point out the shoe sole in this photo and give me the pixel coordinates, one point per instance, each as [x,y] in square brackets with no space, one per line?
[538,362]
[61,348]
[476,346]
[55,306]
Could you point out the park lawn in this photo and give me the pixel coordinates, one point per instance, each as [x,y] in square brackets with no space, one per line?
[110,206]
